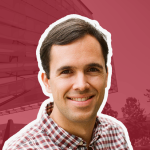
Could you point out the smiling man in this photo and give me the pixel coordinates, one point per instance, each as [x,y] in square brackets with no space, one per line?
[74,58]
[78,79]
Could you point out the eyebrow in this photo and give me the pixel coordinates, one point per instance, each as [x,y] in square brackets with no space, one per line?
[88,65]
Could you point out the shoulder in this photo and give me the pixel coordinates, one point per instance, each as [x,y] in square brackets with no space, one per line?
[24,139]
[114,132]
[110,123]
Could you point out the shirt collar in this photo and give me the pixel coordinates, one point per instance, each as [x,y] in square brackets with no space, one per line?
[59,136]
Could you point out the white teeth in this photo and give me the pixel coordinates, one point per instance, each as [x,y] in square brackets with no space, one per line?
[80,99]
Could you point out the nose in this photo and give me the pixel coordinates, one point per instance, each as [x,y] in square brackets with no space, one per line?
[81,82]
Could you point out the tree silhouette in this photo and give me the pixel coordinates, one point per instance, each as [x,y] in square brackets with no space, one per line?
[148,94]
[132,110]
[108,111]
[134,118]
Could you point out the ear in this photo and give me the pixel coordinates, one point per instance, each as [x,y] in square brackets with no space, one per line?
[46,82]
[106,78]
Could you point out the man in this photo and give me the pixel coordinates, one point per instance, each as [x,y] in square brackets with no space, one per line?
[74,58]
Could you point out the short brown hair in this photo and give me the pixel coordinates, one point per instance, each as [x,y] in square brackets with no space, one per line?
[67,32]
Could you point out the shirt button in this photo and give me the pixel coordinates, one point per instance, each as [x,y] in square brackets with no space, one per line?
[81,143]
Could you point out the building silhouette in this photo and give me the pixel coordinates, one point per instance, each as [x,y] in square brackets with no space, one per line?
[21,24]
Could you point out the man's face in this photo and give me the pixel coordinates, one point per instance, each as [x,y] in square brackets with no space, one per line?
[77,79]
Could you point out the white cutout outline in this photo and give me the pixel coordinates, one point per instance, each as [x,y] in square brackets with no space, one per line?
[43,105]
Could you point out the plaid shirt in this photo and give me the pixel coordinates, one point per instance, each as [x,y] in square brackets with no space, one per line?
[46,134]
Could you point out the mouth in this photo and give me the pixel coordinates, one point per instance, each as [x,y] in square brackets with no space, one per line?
[80,99]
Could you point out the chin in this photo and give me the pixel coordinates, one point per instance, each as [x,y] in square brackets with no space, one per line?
[84,117]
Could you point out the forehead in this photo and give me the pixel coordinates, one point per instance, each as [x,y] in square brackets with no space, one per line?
[83,50]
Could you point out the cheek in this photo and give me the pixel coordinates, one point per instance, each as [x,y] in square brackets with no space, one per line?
[98,82]
[60,87]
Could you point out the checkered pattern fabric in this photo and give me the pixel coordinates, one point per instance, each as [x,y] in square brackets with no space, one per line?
[47,135]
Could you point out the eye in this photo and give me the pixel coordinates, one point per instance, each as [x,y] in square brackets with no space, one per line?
[66,72]
[93,70]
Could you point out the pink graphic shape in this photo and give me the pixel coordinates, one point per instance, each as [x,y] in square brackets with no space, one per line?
[23,22]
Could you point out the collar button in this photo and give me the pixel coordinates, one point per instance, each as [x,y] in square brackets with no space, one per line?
[81,143]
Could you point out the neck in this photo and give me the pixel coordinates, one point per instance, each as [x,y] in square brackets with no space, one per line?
[82,129]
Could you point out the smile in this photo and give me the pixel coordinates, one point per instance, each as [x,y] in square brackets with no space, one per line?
[81,99]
